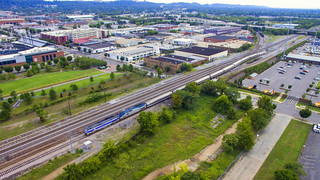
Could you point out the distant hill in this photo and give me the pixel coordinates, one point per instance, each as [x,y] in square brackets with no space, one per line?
[130,6]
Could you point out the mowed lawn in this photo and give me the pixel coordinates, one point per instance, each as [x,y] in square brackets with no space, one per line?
[81,83]
[286,150]
[39,81]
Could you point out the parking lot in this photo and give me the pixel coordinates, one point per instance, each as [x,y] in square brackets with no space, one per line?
[310,157]
[272,79]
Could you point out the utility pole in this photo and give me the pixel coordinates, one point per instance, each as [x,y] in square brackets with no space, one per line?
[285,46]
[315,37]
[69,133]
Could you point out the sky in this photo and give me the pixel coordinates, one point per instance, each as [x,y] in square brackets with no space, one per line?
[300,4]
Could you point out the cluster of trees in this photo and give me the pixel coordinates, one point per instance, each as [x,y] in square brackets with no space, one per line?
[5,108]
[130,68]
[244,47]
[276,32]
[151,32]
[255,120]
[292,171]
[86,62]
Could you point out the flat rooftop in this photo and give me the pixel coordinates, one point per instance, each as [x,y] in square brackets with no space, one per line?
[302,57]
[201,50]
[221,37]
[100,45]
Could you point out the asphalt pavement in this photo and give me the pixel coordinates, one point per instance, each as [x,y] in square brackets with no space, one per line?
[310,157]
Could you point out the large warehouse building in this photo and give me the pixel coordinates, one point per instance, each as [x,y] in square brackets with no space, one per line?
[303,59]
[11,21]
[76,35]
[133,53]
[172,61]
[216,39]
[222,30]
[37,54]
[208,53]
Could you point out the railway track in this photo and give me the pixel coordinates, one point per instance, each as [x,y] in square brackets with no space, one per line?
[14,149]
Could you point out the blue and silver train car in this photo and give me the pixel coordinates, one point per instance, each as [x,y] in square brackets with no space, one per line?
[113,119]
[132,110]
[101,124]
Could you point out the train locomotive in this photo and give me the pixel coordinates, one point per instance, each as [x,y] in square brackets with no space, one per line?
[115,118]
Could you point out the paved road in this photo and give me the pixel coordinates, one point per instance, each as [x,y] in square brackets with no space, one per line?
[310,157]
[288,107]
[250,162]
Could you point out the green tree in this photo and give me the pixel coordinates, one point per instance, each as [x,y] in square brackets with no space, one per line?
[231,113]
[43,93]
[29,73]
[232,94]
[305,113]
[112,76]
[56,60]
[285,174]
[222,104]
[72,172]
[91,79]
[296,167]
[52,94]
[10,100]
[89,50]
[165,116]
[69,58]
[177,100]
[8,69]
[230,142]
[265,103]
[160,72]
[122,58]
[27,98]
[131,68]
[148,123]
[17,68]
[185,67]
[258,118]
[26,66]
[245,104]
[5,114]
[74,87]
[49,63]
[6,106]
[118,67]
[167,68]
[193,88]
[42,114]
[245,134]
[13,94]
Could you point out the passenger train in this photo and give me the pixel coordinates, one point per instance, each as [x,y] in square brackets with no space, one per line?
[139,107]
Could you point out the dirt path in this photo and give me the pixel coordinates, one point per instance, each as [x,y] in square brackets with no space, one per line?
[193,163]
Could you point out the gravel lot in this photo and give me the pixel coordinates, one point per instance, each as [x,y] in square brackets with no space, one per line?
[288,78]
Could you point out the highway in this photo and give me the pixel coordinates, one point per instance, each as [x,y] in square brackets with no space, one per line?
[15,151]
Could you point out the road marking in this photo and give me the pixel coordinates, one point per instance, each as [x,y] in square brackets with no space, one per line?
[309,159]
[310,156]
[309,163]
[309,167]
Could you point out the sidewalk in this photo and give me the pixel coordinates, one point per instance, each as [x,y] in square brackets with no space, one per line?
[250,162]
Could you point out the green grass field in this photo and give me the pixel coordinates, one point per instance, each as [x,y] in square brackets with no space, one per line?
[44,80]
[286,150]
[80,84]
[186,136]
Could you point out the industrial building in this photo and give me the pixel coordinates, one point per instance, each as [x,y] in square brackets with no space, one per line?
[208,53]
[303,59]
[12,21]
[133,53]
[172,61]
[183,42]
[165,26]
[231,46]
[76,35]
[37,54]
[98,47]
[222,30]
[216,39]
[285,26]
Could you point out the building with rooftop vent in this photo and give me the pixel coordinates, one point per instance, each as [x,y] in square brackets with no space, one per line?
[222,30]
[208,53]
[133,53]
[172,61]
